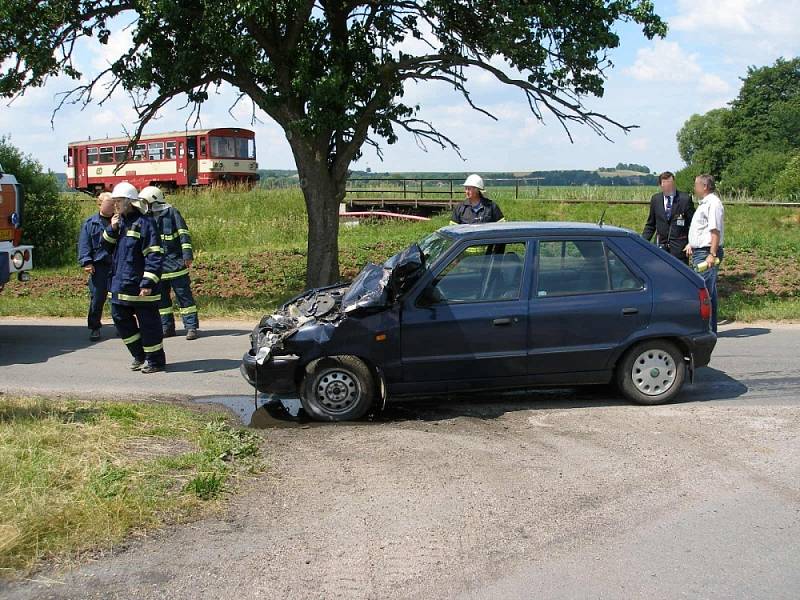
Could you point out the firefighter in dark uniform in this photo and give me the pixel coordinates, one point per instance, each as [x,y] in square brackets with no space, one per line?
[178,257]
[670,215]
[135,279]
[96,261]
[476,207]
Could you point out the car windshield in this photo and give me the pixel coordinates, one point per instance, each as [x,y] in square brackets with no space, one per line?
[433,246]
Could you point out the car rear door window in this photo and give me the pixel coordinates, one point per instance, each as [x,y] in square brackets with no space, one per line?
[483,273]
[571,267]
[622,278]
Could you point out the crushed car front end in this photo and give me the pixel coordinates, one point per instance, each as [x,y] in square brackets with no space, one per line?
[359,319]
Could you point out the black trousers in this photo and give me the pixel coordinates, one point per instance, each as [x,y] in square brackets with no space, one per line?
[140,329]
[98,292]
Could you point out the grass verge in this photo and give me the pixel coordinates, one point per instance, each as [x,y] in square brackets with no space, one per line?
[79,476]
[251,251]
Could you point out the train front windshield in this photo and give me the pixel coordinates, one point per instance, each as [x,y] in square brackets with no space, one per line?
[232,147]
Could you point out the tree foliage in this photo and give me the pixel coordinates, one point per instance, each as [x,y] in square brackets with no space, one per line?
[331,73]
[50,223]
[750,144]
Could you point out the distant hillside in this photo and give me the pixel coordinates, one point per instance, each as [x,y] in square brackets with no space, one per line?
[547,178]
[271,178]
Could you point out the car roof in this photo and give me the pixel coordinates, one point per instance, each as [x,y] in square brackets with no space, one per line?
[532,228]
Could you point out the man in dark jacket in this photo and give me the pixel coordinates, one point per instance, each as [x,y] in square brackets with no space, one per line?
[96,261]
[476,207]
[178,256]
[135,279]
[670,215]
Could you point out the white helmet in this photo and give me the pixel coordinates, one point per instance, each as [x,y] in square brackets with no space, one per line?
[475,181]
[125,190]
[152,195]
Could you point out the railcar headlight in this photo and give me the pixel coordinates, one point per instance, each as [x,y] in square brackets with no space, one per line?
[17,259]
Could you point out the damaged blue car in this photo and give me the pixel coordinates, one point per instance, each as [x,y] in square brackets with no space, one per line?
[490,307]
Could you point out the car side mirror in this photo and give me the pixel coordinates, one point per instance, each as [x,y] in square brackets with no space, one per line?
[430,296]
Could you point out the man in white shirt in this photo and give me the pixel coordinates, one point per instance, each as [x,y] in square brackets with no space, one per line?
[707,237]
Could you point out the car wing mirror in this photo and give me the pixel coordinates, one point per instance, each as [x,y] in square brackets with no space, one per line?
[430,295]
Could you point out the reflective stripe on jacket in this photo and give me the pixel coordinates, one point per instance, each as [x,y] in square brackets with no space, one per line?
[175,240]
[137,260]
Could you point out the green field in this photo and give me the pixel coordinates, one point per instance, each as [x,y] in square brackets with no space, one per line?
[251,249]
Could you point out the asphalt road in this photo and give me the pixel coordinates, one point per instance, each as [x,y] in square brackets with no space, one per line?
[558,494]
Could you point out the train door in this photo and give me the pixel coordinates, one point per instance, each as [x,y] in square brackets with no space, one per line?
[191,160]
[81,174]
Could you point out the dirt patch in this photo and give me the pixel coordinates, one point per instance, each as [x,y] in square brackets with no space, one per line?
[149,448]
[61,286]
[749,272]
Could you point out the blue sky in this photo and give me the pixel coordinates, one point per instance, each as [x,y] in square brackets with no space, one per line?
[656,84]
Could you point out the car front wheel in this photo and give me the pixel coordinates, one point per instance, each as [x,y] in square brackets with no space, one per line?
[652,372]
[337,388]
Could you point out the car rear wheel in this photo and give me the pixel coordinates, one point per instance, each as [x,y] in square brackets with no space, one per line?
[652,372]
[337,388]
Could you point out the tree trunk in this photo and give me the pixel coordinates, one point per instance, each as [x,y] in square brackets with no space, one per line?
[322,193]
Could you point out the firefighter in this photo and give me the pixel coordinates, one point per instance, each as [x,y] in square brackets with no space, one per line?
[476,207]
[178,257]
[96,260]
[135,279]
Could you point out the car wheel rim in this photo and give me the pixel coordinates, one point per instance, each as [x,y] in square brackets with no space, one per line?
[337,391]
[654,372]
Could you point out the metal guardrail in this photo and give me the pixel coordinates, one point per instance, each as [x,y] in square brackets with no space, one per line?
[414,188]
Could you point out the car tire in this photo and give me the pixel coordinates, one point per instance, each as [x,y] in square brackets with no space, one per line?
[337,388]
[652,372]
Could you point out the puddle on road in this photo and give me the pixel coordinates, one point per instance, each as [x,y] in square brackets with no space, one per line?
[263,412]
[273,412]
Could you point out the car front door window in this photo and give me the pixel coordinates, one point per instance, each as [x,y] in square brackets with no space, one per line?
[482,273]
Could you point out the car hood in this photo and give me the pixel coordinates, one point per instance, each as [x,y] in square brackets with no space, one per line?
[376,287]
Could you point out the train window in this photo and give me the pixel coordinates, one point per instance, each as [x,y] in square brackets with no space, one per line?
[69,156]
[223,147]
[93,156]
[202,147]
[170,151]
[245,148]
[120,153]
[155,150]
[139,153]
[106,154]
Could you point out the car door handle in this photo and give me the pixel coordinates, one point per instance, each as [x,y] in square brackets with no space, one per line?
[629,311]
[501,322]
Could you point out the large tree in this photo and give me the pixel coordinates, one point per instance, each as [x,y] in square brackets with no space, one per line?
[331,73]
[750,143]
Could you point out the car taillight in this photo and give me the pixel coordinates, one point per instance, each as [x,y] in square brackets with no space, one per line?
[705,304]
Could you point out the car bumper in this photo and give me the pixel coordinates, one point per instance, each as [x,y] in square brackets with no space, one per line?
[275,376]
[701,347]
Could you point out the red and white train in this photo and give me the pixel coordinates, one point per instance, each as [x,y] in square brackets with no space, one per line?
[174,159]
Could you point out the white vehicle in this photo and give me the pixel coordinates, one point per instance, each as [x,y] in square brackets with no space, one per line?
[14,257]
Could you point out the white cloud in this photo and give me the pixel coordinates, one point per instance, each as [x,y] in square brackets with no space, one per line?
[668,63]
[103,55]
[750,31]
[639,144]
